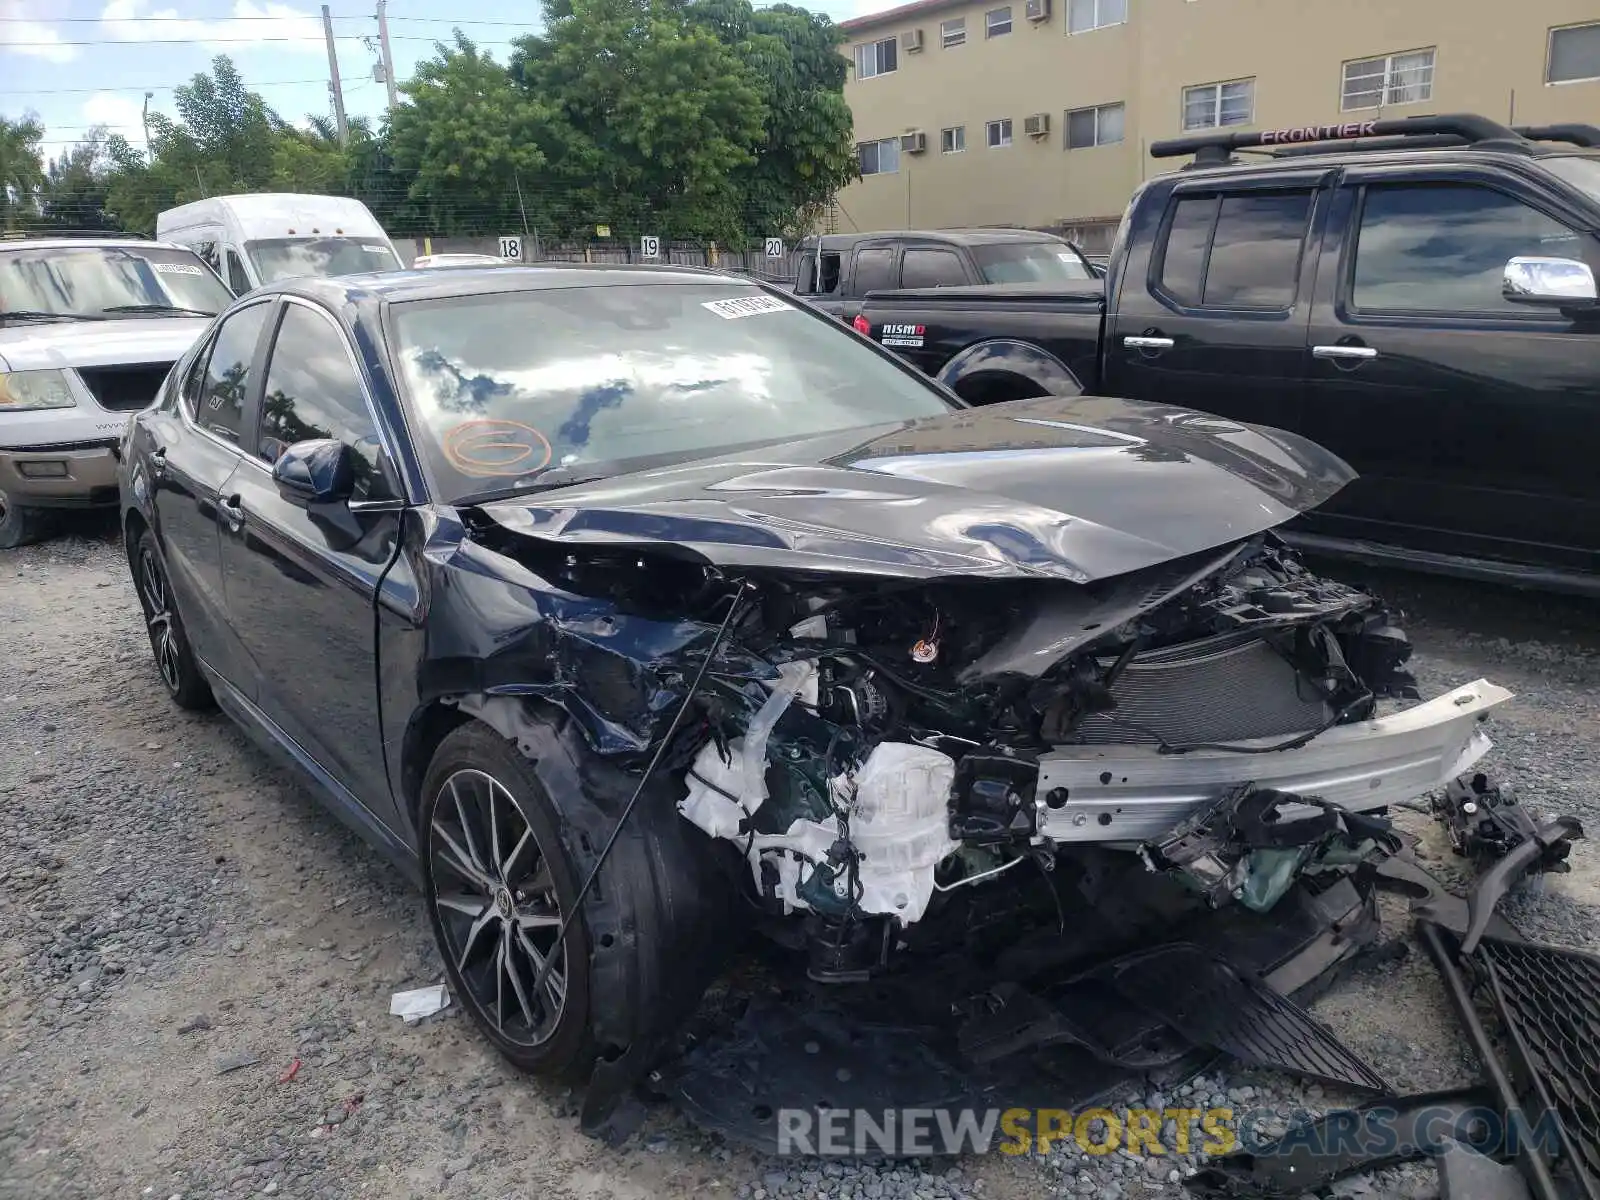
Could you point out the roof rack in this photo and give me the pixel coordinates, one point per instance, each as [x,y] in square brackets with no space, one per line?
[1210,149]
[1587,136]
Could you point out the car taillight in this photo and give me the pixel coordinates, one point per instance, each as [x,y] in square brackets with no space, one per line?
[862,325]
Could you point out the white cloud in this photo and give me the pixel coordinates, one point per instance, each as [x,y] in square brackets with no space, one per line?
[19,35]
[118,113]
[266,24]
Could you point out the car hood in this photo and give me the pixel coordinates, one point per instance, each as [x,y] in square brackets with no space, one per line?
[121,341]
[1078,488]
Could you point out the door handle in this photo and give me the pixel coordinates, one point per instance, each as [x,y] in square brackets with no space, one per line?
[1148,343]
[1345,353]
[232,510]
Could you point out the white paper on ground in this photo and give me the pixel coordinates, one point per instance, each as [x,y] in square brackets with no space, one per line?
[412,1006]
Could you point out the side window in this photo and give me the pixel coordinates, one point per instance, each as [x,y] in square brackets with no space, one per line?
[312,391]
[1444,248]
[805,282]
[207,251]
[219,398]
[1239,251]
[931,268]
[237,279]
[874,270]
[830,273]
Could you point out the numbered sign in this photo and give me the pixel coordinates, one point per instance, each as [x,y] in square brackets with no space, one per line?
[774,247]
[511,247]
[649,247]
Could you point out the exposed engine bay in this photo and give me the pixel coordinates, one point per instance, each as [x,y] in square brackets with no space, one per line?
[1213,718]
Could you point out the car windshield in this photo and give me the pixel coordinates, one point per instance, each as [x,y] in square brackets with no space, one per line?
[583,382]
[1030,262]
[91,281]
[1581,171]
[288,258]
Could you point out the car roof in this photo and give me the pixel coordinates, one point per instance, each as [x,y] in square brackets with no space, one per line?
[75,243]
[965,237]
[401,286]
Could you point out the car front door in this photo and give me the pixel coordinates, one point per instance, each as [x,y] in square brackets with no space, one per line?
[1473,420]
[301,579]
[194,452]
[1214,304]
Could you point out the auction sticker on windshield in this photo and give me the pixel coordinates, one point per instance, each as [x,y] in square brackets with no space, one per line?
[164,268]
[746,306]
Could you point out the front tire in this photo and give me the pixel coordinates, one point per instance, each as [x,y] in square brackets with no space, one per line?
[175,661]
[498,882]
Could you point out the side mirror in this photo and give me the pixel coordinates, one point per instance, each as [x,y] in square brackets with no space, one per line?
[315,472]
[1555,282]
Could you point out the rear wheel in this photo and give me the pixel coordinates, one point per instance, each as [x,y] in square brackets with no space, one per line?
[19,525]
[498,883]
[174,660]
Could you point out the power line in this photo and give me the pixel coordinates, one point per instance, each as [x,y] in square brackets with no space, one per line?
[154,87]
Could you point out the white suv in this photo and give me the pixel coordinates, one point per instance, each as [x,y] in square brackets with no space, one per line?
[89,328]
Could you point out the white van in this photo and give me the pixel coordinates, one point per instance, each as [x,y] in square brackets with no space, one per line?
[257,238]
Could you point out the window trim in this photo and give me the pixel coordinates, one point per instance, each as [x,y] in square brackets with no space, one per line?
[875,43]
[993,145]
[1098,23]
[878,142]
[1345,299]
[1216,108]
[961,149]
[1096,109]
[1388,71]
[385,436]
[1315,188]
[989,26]
[1550,54]
[944,37]
[207,345]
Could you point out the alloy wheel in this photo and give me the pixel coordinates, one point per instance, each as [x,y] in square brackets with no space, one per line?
[497,906]
[159,620]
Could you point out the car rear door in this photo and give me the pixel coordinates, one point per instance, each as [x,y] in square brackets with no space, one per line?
[300,580]
[874,267]
[1215,300]
[1474,421]
[192,454]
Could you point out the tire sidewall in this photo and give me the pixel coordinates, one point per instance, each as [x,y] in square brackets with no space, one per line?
[192,691]
[474,746]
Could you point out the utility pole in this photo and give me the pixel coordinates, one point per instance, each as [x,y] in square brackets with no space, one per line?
[388,59]
[144,120]
[334,88]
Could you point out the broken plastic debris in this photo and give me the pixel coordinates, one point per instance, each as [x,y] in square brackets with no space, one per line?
[412,1006]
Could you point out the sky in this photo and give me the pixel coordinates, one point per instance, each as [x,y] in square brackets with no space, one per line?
[81,63]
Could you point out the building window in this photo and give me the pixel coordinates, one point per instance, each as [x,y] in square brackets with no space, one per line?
[879,158]
[999,133]
[1574,54]
[1393,79]
[1084,15]
[953,32]
[1214,104]
[877,58]
[1100,126]
[997,22]
[953,140]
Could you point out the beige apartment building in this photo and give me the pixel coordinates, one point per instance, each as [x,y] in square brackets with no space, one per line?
[1039,112]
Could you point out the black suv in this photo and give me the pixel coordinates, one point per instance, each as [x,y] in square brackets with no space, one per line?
[1416,295]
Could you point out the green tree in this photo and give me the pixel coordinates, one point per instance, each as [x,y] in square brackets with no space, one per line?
[76,185]
[21,170]
[657,114]
[808,147]
[467,140]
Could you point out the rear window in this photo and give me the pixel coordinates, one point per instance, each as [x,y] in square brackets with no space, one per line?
[1030,262]
[585,382]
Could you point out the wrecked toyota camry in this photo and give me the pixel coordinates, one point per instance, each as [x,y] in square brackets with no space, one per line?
[647,616]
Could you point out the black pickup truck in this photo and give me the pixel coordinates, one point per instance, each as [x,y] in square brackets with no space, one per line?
[1417,295]
[836,271]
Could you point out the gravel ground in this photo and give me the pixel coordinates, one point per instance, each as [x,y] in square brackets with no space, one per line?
[195,960]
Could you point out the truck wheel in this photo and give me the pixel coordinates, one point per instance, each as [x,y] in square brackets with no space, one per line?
[19,526]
